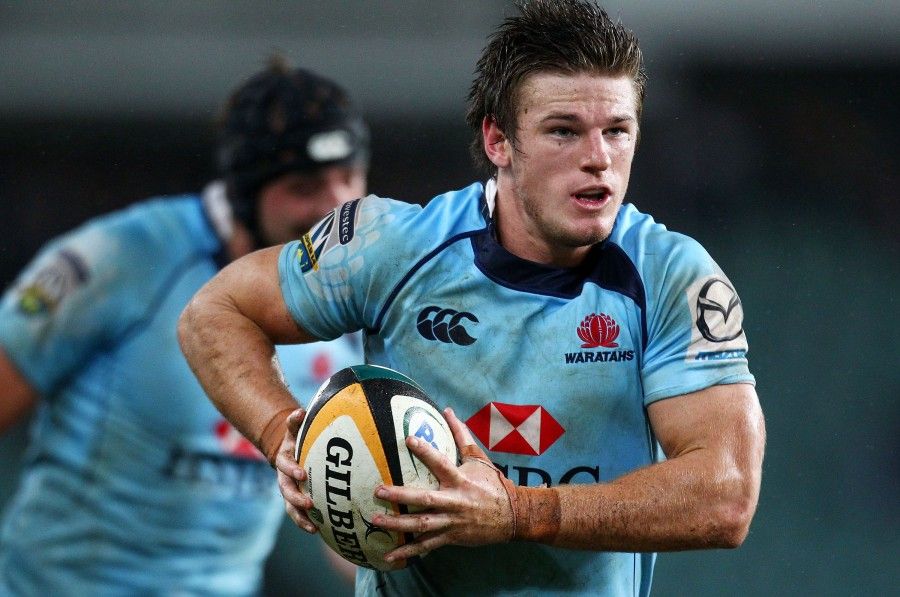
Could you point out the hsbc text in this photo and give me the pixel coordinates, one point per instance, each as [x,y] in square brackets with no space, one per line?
[527,475]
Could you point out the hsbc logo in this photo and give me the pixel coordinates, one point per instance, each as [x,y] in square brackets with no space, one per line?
[515,429]
[446,325]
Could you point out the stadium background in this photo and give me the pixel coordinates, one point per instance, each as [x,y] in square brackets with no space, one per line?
[770,135]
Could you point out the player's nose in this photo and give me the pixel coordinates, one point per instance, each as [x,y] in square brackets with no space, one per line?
[596,156]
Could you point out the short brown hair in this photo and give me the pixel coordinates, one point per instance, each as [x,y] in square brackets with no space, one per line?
[567,36]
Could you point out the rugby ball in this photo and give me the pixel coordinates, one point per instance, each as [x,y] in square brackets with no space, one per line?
[353,440]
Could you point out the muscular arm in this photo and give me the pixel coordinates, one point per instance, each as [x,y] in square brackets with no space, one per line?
[703,495]
[227,333]
[17,395]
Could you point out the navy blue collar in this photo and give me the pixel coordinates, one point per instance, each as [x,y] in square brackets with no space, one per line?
[606,265]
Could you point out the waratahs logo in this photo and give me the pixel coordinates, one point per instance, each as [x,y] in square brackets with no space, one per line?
[598,330]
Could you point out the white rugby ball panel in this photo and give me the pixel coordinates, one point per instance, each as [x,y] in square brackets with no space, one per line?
[339,503]
[423,420]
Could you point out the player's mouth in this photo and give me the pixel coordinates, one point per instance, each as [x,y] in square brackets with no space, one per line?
[592,196]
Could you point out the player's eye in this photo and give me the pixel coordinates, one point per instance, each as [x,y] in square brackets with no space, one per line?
[616,132]
[562,132]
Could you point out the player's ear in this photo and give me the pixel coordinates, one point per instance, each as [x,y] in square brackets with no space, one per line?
[496,146]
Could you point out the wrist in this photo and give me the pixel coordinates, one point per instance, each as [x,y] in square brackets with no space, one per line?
[273,434]
[536,513]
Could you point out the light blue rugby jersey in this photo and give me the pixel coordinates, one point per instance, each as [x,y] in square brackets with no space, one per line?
[551,369]
[133,483]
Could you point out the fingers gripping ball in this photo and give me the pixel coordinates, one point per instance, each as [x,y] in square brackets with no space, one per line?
[353,440]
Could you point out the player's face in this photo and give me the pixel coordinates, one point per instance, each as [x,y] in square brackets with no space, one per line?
[291,204]
[569,171]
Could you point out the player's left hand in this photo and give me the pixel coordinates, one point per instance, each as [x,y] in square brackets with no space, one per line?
[471,506]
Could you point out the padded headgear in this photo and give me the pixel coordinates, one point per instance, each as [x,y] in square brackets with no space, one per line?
[283,121]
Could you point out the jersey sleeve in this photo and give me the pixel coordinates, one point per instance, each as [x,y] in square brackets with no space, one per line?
[67,304]
[695,322]
[336,277]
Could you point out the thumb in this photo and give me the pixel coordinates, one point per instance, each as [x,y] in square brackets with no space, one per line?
[294,420]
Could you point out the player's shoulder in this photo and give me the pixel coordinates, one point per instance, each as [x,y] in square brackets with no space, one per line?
[399,231]
[442,216]
[647,241]
[143,241]
[171,222]
[120,258]
[666,261]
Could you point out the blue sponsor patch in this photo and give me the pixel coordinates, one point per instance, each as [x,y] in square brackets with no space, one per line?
[347,222]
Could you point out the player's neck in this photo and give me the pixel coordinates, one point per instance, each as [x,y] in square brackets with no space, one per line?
[519,236]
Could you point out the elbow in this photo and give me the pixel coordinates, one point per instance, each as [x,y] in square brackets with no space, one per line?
[739,487]
[186,329]
[183,329]
[733,517]
[734,525]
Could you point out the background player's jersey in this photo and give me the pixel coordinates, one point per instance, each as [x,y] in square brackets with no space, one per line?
[133,483]
[551,369]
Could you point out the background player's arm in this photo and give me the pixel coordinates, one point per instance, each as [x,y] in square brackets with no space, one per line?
[238,369]
[17,395]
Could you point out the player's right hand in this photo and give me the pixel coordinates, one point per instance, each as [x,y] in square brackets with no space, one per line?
[291,475]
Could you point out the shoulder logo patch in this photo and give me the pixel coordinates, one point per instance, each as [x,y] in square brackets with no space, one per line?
[45,290]
[718,318]
[347,221]
[312,243]
[719,311]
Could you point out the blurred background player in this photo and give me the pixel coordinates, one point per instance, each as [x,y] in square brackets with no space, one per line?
[132,481]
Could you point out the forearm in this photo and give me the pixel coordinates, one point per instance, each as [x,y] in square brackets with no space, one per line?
[704,495]
[235,362]
[17,395]
[674,505]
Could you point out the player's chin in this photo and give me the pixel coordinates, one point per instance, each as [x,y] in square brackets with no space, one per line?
[586,236]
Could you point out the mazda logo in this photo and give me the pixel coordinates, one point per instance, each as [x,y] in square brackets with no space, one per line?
[445,325]
[717,303]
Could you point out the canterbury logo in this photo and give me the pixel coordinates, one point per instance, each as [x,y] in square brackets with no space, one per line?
[445,325]
[598,330]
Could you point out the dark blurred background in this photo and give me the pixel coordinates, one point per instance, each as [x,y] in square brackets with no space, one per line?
[770,135]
